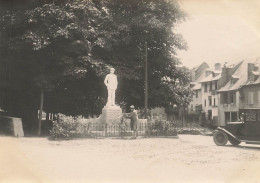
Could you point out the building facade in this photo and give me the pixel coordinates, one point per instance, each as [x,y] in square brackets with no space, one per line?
[209,99]
[240,93]
[194,109]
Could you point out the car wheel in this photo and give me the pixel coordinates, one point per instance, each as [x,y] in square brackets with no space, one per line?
[234,141]
[220,138]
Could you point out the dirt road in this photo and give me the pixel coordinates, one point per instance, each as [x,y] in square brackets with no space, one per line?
[187,159]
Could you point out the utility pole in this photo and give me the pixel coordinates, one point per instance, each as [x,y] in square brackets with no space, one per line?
[146,83]
[40,113]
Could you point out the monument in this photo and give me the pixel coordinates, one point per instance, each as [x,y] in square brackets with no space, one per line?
[111,113]
[111,120]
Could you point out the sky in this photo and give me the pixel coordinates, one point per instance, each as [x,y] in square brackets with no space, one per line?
[220,31]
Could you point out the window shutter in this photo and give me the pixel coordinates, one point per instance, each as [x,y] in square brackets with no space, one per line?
[234,97]
[249,98]
[228,97]
[221,98]
[256,97]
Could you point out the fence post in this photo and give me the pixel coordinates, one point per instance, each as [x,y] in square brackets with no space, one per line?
[148,129]
[105,129]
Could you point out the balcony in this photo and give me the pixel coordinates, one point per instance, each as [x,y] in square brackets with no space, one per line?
[230,105]
[213,92]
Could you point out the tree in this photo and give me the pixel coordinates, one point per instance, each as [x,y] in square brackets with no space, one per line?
[134,23]
[49,47]
[62,50]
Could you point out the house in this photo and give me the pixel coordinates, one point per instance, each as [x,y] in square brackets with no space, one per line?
[250,97]
[195,107]
[209,99]
[239,90]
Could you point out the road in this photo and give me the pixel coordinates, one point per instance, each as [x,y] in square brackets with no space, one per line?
[191,158]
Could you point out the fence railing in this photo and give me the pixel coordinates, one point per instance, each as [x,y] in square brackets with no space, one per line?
[116,130]
[67,129]
[121,130]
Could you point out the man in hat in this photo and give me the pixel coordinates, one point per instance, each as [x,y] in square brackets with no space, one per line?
[134,118]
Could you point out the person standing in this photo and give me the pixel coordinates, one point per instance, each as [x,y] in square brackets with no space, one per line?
[111,84]
[134,119]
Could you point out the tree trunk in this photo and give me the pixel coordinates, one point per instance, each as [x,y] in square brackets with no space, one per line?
[47,116]
[40,113]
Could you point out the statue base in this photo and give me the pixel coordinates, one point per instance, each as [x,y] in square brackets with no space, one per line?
[111,114]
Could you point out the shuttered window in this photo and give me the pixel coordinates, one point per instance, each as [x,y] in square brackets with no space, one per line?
[233,97]
[250,98]
[206,88]
[210,100]
[258,101]
[255,97]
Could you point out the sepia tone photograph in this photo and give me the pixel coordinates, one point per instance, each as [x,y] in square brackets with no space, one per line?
[129,91]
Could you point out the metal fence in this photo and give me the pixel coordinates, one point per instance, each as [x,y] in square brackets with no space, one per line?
[68,129]
[116,130]
[124,130]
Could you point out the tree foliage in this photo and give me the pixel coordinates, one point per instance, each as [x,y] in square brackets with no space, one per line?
[66,47]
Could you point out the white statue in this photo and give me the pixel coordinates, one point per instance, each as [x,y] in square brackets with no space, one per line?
[111,83]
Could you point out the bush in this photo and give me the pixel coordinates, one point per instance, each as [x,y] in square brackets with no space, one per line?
[162,128]
[68,127]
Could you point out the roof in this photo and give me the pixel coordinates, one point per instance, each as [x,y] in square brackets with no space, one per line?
[199,75]
[257,81]
[196,87]
[241,78]
[210,78]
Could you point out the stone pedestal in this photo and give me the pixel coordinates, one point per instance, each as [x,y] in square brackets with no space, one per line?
[11,126]
[111,114]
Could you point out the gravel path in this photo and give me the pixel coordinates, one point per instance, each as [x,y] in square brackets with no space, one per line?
[187,159]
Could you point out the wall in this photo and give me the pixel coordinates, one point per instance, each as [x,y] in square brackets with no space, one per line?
[244,97]
[222,108]
[195,102]
[205,96]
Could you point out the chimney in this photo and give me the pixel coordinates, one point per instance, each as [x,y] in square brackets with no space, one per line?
[207,72]
[218,66]
[226,74]
[251,67]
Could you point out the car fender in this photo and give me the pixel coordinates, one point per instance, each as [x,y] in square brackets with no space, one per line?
[227,132]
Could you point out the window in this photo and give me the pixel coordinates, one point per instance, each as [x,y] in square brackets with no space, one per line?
[250,115]
[231,116]
[197,94]
[216,86]
[258,100]
[210,87]
[234,116]
[233,97]
[258,115]
[250,99]
[210,101]
[256,97]
[205,103]
[223,98]
[227,117]
[214,102]
[191,107]
[206,88]
[209,114]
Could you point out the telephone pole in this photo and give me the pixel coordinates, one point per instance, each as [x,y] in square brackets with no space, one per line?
[146,83]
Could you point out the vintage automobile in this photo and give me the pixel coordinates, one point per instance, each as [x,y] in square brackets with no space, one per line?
[247,130]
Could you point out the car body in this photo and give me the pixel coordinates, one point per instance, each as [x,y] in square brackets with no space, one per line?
[246,130]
